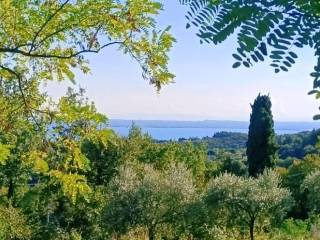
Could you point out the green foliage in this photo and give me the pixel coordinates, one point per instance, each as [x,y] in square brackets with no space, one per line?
[70,177]
[294,179]
[86,183]
[149,199]
[264,29]
[49,39]
[44,146]
[44,173]
[291,229]
[142,148]
[311,185]
[247,202]
[13,224]
[225,140]
[298,145]
[105,156]
[65,175]
[261,145]
[4,153]
[234,163]
[196,221]
[291,146]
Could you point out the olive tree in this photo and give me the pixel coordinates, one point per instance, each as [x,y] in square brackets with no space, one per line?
[148,199]
[13,224]
[311,185]
[247,200]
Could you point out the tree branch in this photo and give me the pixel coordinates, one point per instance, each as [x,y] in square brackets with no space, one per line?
[19,78]
[21,90]
[45,24]
[49,55]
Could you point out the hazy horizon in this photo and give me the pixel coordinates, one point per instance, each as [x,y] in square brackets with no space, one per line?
[206,120]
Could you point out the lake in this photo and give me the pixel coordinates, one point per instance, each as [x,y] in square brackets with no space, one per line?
[166,130]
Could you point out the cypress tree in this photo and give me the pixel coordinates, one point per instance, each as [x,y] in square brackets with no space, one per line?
[261,146]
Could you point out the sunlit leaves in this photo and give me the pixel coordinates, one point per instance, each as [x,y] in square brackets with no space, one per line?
[48,41]
[75,114]
[244,200]
[13,225]
[4,153]
[72,185]
[37,161]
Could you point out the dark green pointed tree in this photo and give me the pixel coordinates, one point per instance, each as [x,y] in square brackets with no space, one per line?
[261,146]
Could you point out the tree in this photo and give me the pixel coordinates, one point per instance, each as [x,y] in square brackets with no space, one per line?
[50,39]
[19,135]
[43,171]
[264,29]
[311,185]
[13,224]
[247,201]
[105,156]
[261,145]
[233,163]
[149,199]
[294,179]
[142,148]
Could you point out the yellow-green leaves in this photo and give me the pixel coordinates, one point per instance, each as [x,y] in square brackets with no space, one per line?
[49,40]
[4,153]
[74,159]
[37,161]
[151,51]
[78,116]
[13,224]
[72,185]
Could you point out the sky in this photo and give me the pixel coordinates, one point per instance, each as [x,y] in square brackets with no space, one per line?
[206,87]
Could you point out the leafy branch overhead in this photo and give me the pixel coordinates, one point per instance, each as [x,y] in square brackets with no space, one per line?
[264,29]
[49,39]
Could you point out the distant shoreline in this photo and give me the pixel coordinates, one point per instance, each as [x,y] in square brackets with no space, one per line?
[295,125]
[175,130]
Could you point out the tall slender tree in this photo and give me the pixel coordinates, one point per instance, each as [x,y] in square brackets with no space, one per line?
[261,146]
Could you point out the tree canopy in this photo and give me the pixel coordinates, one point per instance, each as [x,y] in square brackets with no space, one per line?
[247,200]
[152,200]
[48,39]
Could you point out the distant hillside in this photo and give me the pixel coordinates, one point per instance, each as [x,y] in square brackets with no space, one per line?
[224,140]
[290,145]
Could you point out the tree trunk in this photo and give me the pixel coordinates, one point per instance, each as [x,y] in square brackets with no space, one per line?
[151,233]
[252,229]
[10,189]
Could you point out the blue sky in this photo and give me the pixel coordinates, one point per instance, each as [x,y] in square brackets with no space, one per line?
[206,87]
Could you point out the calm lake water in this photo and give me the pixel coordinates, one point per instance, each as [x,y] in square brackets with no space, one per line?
[166,130]
[174,133]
